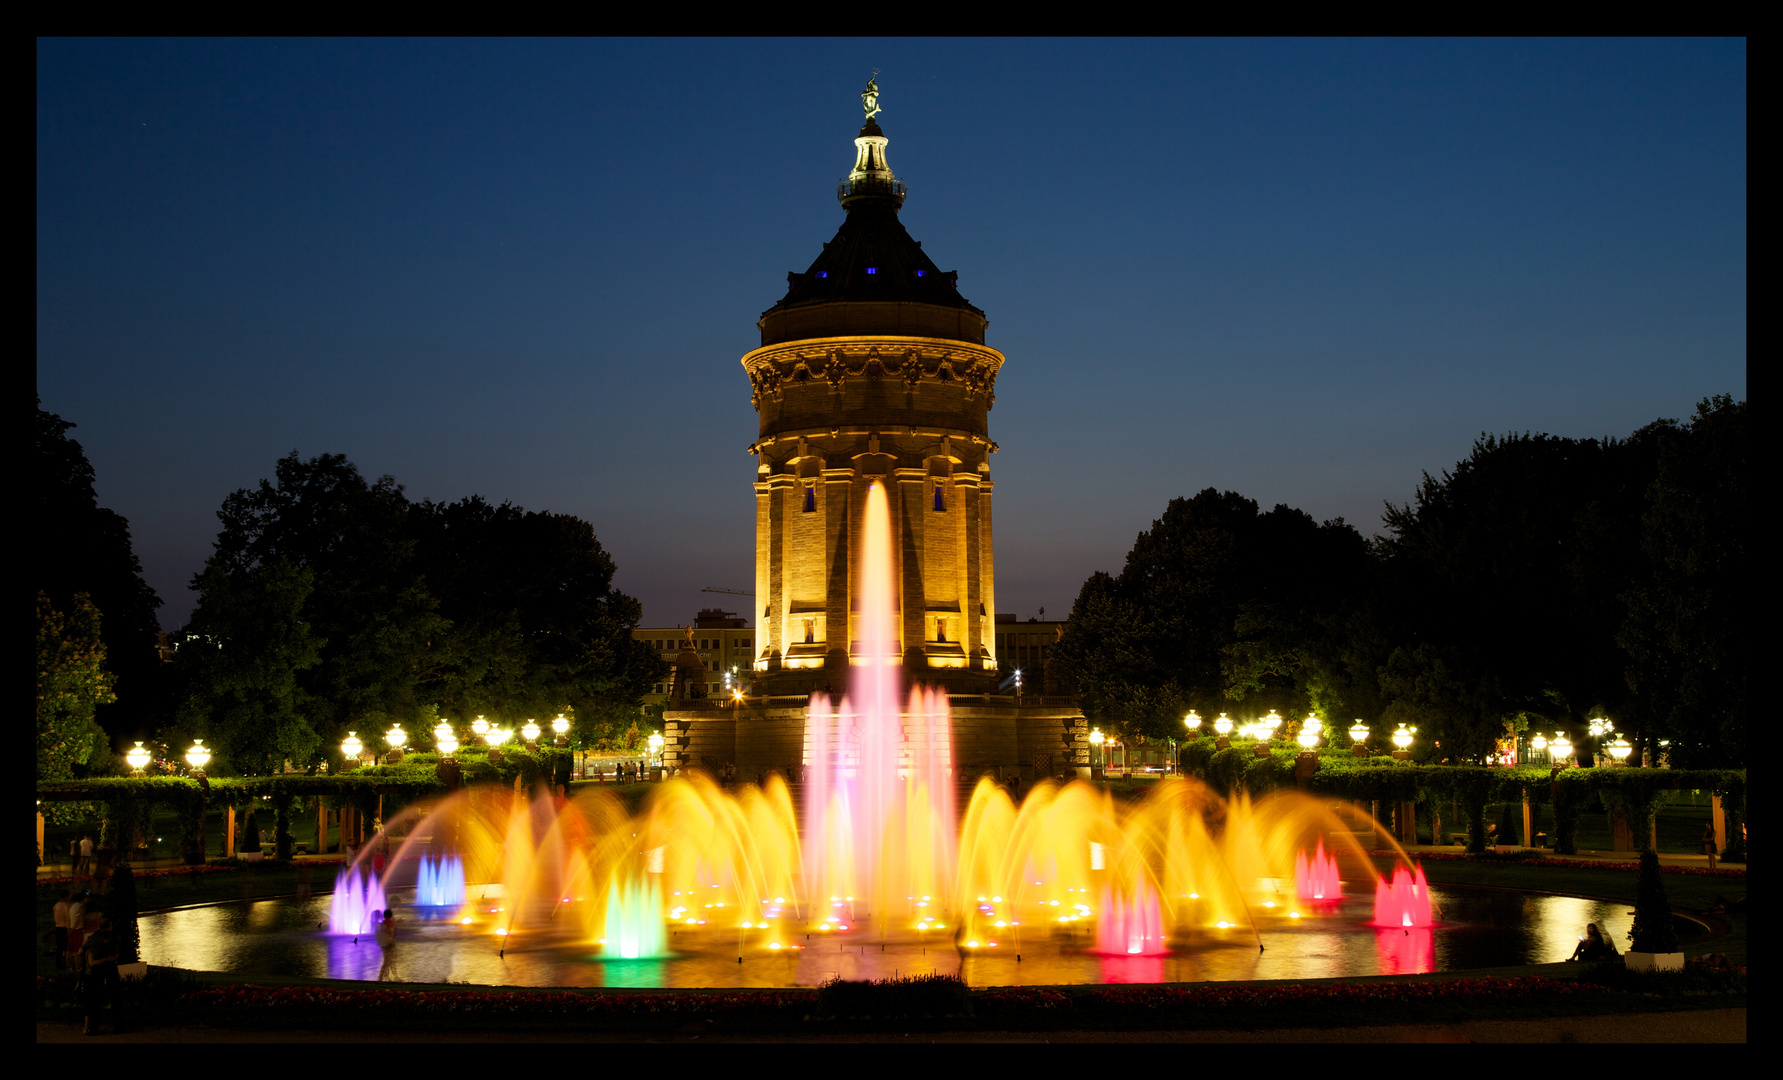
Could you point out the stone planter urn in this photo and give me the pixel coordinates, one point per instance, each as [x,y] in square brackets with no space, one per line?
[1654,961]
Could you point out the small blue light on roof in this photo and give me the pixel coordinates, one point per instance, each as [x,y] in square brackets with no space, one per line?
[872,269]
[823,273]
[920,273]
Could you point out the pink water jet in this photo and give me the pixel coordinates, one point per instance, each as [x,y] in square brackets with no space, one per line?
[1131,926]
[879,811]
[356,897]
[1405,903]
[1317,879]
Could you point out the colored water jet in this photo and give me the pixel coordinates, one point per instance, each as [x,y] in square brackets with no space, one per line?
[356,898]
[439,883]
[1405,902]
[1131,925]
[1316,879]
[634,928]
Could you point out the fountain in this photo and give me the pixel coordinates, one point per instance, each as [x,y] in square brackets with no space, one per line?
[1405,902]
[877,854]
[1317,880]
[439,883]
[358,896]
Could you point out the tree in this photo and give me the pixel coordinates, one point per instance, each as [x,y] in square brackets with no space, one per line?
[1217,604]
[74,546]
[246,651]
[372,610]
[1687,622]
[368,602]
[536,625]
[72,683]
[1502,580]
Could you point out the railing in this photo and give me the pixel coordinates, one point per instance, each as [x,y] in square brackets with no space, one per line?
[870,186]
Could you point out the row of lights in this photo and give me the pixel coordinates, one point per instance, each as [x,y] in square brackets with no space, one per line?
[1311,729]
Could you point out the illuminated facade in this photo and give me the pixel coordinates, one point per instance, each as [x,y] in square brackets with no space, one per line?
[871,368]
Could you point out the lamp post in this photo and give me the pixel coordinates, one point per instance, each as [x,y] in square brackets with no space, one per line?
[1096,740]
[493,737]
[1193,723]
[395,738]
[1620,750]
[351,748]
[1018,685]
[480,727]
[1600,728]
[1539,744]
[1307,761]
[1223,727]
[1560,751]
[531,733]
[1402,738]
[1359,736]
[1272,722]
[444,738]
[198,757]
[561,728]
[656,751]
[138,759]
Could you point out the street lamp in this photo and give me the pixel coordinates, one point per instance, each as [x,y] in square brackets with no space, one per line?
[445,739]
[1223,727]
[1402,739]
[480,726]
[1359,736]
[1096,740]
[138,758]
[197,757]
[561,727]
[1560,750]
[1539,743]
[1272,722]
[493,737]
[656,748]
[531,733]
[351,748]
[395,737]
[1018,684]
[1309,733]
[1193,723]
[1620,750]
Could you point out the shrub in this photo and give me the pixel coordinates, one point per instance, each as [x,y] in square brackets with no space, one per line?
[1653,930]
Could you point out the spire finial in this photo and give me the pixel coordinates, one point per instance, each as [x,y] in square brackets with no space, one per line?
[870,96]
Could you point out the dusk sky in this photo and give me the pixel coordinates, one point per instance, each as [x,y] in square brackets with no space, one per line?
[1305,271]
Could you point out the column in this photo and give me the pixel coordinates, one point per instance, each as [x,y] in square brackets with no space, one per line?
[229,832]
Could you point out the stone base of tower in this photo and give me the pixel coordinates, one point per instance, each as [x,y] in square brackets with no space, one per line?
[1036,739]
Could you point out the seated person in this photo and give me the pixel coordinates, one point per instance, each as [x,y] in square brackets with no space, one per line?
[1593,946]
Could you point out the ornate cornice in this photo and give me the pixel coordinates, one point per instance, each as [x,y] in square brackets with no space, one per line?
[836,360]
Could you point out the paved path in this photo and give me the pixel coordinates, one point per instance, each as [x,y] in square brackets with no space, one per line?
[1700,1026]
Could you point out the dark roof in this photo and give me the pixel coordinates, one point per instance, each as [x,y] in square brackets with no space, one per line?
[872,258]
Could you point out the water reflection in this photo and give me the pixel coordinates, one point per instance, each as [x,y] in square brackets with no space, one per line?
[1479,928]
[1406,952]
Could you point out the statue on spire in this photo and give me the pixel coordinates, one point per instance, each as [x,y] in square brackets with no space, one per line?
[870,97]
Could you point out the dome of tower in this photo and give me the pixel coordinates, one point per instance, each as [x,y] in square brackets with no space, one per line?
[872,278]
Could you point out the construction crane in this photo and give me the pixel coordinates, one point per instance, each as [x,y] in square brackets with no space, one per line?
[732,592]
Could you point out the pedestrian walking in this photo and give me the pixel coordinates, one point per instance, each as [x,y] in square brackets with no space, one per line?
[61,937]
[1709,846]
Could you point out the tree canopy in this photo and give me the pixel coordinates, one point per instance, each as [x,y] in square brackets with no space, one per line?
[1542,580]
[75,546]
[357,608]
[72,683]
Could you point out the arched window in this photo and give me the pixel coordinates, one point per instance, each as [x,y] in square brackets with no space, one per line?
[940,501]
[810,498]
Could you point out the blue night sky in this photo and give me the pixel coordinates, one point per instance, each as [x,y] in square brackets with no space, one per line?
[1304,271]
